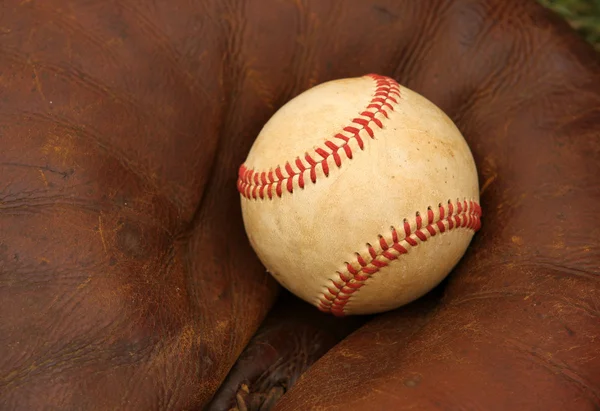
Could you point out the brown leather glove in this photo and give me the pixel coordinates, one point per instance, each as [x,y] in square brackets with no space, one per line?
[289,341]
[126,281]
[517,326]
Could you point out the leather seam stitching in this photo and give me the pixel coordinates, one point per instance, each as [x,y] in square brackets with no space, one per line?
[255,184]
[465,214]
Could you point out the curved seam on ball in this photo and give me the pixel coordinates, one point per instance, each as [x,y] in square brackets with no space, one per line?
[253,184]
[465,214]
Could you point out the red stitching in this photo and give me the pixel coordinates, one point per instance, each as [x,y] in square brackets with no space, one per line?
[254,184]
[468,215]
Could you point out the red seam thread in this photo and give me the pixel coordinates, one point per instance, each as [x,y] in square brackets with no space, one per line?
[254,184]
[466,214]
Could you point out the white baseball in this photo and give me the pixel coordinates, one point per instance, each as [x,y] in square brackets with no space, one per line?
[359,195]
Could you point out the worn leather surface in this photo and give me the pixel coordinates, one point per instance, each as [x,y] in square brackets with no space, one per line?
[125,278]
[126,281]
[288,342]
[518,326]
[327,236]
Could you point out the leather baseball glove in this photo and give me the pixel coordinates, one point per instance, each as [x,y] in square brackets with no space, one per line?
[127,281]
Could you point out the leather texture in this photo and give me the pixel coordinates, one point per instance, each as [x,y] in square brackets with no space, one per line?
[518,325]
[371,226]
[126,279]
[288,342]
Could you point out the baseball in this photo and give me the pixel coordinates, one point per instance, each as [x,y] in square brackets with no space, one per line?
[359,195]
